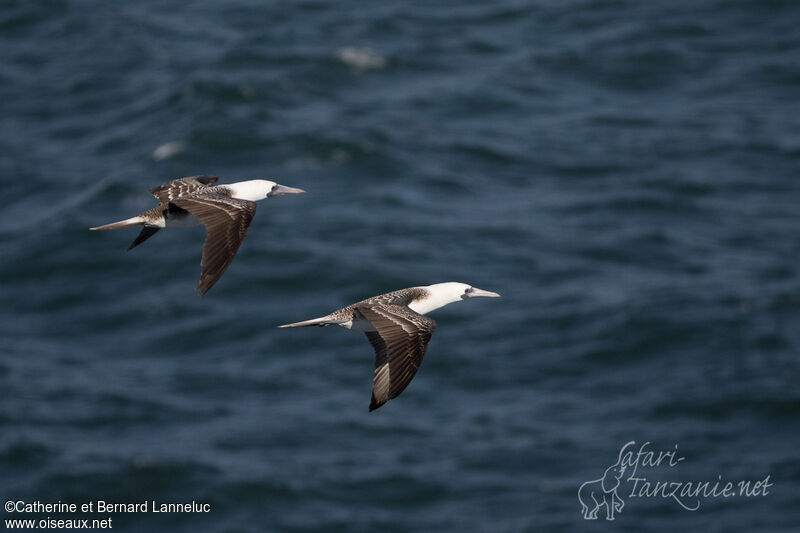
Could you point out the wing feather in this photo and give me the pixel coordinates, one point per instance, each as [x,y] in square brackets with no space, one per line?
[226,220]
[400,343]
[171,190]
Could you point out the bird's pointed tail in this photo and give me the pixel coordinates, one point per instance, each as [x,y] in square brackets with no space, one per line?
[321,321]
[133,221]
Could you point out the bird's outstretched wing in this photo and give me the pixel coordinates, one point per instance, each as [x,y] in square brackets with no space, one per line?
[400,343]
[226,220]
[181,187]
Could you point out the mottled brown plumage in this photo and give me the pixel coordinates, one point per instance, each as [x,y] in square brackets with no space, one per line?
[226,220]
[399,297]
[397,329]
[400,343]
[167,192]
[399,337]
[225,210]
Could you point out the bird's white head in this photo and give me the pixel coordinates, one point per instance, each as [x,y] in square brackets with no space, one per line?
[255,190]
[441,294]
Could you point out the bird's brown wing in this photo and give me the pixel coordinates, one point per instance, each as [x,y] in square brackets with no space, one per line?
[171,190]
[400,343]
[226,220]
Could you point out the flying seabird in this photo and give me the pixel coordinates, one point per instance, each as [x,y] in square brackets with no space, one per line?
[225,210]
[397,329]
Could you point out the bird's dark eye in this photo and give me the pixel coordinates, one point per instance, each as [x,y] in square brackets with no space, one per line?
[468,290]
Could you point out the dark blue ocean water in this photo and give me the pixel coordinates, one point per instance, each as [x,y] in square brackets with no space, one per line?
[625,174]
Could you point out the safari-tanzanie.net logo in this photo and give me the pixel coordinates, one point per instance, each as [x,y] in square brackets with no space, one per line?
[639,473]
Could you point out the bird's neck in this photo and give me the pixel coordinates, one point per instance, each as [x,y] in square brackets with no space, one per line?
[252,190]
[430,302]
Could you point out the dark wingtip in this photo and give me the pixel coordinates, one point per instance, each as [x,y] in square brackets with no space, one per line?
[373,404]
[146,233]
[208,179]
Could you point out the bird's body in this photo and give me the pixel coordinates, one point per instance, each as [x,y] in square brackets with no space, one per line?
[396,326]
[225,210]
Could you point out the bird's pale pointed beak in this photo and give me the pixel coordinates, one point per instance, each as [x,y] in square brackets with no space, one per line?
[475,292]
[277,190]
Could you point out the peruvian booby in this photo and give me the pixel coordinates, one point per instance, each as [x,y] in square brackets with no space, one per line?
[397,329]
[225,210]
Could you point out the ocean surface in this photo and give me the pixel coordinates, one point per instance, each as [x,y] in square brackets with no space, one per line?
[626,174]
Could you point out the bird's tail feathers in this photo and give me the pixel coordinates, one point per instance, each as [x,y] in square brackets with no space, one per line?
[133,221]
[321,321]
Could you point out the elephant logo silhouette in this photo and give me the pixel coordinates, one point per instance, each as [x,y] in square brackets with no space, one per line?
[595,494]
